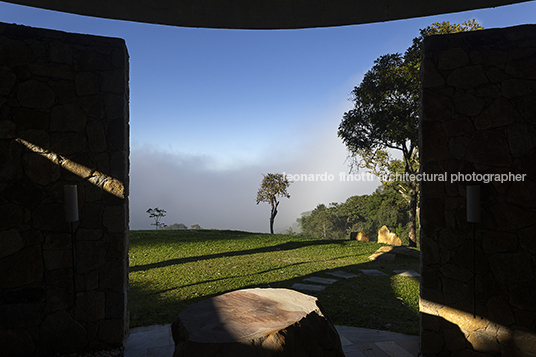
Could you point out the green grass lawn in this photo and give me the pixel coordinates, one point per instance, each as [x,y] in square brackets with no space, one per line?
[172,269]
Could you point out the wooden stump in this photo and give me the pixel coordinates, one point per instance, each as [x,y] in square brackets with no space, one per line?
[256,322]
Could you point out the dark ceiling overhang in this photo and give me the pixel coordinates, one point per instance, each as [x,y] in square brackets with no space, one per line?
[261,14]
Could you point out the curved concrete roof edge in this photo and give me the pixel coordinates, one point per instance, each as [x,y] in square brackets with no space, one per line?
[261,14]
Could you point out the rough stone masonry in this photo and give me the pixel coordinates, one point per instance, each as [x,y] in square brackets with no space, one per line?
[63,121]
[479,118]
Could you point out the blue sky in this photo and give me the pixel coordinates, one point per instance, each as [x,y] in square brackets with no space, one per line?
[211,110]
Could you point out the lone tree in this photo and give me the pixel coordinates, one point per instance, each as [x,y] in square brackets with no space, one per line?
[386,115]
[157,214]
[273,186]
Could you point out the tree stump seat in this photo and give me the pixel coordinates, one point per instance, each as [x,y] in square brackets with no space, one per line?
[256,322]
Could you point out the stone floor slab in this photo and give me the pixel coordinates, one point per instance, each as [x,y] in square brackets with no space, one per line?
[308,287]
[342,274]
[373,272]
[357,342]
[316,279]
[411,273]
[393,349]
[143,340]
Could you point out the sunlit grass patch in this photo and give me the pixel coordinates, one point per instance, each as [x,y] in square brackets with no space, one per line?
[172,269]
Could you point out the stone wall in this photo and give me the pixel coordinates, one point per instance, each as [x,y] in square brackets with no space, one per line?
[63,121]
[479,116]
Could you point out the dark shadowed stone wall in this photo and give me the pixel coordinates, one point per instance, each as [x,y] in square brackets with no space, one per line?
[479,116]
[63,121]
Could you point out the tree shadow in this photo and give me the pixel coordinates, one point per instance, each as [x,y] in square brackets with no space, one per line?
[363,301]
[279,247]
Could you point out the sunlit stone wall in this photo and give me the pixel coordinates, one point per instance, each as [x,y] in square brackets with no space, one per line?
[63,121]
[479,116]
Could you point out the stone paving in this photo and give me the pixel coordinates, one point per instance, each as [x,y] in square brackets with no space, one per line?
[321,283]
[156,341]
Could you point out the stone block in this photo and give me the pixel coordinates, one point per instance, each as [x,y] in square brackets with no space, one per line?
[50,217]
[8,129]
[453,58]
[467,77]
[113,332]
[431,342]
[93,106]
[64,92]
[113,82]
[462,319]
[454,339]
[91,215]
[511,268]
[484,343]
[89,234]
[40,169]
[20,315]
[387,237]
[67,143]
[522,296]
[116,305]
[487,147]
[10,242]
[90,255]
[114,218]
[256,321]
[21,268]
[468,104]
[513,88]
[16,342]
[96,136]
[60,332]
[500,113]
[113,276]
[90,306]
[57,258]
[495,242]
[35,94]
[57,241]
[360,236]
[86,83]
[28,118]
[500,311]
[58,299]
[8,79]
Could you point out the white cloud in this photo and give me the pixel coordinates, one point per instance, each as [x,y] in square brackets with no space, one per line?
[192,192]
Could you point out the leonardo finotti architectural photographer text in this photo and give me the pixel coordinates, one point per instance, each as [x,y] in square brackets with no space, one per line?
[367,176]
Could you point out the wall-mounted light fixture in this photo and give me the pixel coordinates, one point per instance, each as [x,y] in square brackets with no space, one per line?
[473,203]
[70,193]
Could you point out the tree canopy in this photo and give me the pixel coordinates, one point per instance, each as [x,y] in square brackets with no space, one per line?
[365,213]
[386,115]
[157,214]
[272,187]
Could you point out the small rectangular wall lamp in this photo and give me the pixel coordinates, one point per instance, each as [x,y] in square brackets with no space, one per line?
[473,204]
[71,202]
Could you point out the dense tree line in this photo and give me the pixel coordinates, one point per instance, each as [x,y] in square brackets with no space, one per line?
[366,213]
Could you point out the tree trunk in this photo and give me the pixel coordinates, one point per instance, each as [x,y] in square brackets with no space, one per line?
[412,214]
[272,217]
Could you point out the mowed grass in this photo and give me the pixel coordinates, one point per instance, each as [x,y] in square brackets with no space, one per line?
[172,269]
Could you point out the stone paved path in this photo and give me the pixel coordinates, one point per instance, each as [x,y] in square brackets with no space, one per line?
[156,341]
[321,283]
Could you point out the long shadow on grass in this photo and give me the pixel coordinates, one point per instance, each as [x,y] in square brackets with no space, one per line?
[156,292]
[279,247]
[363,301]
